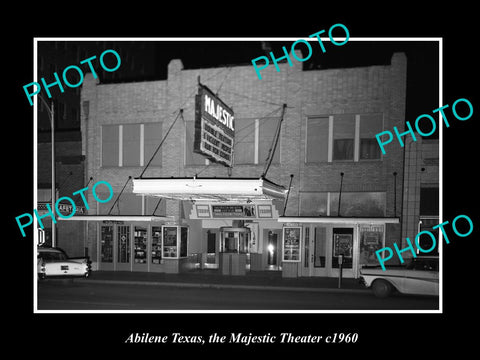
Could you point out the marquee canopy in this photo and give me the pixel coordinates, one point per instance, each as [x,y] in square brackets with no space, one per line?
[210,189]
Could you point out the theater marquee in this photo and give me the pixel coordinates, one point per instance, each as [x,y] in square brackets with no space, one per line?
[214,127]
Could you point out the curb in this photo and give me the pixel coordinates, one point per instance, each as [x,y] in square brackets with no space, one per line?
[217,286]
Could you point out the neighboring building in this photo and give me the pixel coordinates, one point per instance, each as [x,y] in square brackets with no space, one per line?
[69,177]
[328,129]
[421,193]
[55,56]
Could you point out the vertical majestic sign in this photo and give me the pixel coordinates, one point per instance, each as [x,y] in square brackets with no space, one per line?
[214,127]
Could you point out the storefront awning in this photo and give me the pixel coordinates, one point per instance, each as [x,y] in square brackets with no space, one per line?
[338,220]
[117,218]
[209,189]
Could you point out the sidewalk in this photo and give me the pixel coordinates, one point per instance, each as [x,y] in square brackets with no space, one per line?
[253,280]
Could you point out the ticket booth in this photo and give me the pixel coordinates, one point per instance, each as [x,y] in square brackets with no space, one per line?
[234,244]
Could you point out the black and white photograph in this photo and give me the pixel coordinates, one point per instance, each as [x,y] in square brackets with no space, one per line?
[314,141]
[302,187]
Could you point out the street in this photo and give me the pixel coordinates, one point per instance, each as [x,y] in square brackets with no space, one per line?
[66,295]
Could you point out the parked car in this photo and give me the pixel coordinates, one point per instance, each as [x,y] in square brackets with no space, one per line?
[55,262]
[419,277]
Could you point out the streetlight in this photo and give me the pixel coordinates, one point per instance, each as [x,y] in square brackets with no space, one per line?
[52,127]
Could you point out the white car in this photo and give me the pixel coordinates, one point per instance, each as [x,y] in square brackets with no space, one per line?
[55,262]
[419,277]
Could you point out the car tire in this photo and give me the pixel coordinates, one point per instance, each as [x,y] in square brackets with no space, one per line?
[382,288]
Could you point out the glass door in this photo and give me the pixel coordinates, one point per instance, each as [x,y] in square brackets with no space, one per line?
[123,248]
[106,247]
[272,247]
[314,251]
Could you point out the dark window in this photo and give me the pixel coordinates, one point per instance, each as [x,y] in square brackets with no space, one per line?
[313,203]
[343,136]
[131,145]
[110,145]
[191,158]
[266,139]
[429,202]
[244,141]
[343,149]
[152,138]
[370,125]
[317,140]
[211,242]
[358,204]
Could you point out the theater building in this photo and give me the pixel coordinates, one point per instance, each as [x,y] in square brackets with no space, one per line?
[290,177]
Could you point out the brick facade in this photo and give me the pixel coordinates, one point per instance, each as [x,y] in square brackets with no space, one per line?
[373,89]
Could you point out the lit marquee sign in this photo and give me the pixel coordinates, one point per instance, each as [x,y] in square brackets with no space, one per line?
[214,127]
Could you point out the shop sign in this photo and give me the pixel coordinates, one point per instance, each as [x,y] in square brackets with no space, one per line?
[214,127]
[233,211]
[265,211]
[291,244]
[64,209]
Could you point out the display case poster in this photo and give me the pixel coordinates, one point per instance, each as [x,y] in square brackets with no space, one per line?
[291,244]
[170,242]
[342,245]
[370,242]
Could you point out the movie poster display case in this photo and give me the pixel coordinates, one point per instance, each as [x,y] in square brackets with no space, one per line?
[174,242]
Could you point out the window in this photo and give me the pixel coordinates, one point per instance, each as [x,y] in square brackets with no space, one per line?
[266,136]
[319,250]
[317,139]
[245,141]
[343,137]
[131,145]
[110,144]
[370,125]
[358,204]
[429,201]
[352,204]
[152,138]
[191,158]
[253,139]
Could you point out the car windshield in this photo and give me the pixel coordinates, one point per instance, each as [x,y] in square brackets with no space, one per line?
[52,256]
